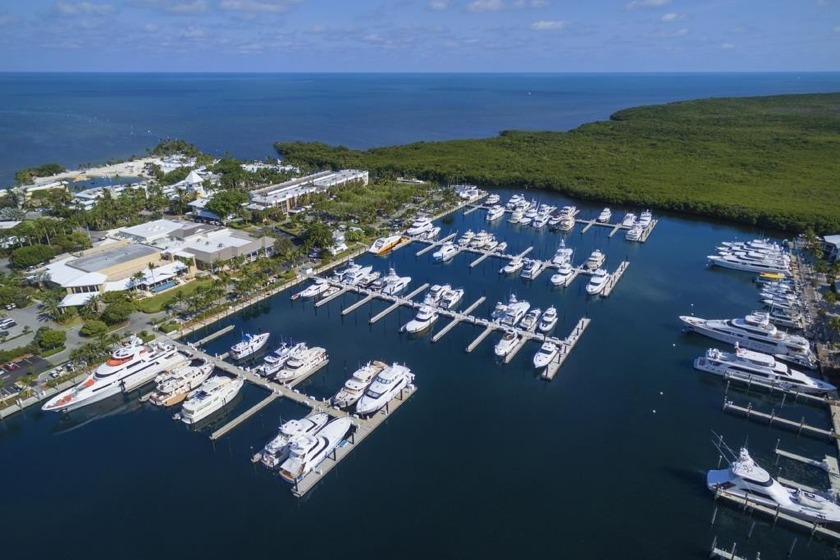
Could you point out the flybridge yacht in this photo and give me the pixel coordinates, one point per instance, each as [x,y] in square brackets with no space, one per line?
[563,254]
[274,362]
[547,352]
[548,320]
[597,282]
[302,363]
[426,316]
[394,283]
[493,199]
[569,211]
[419,226]
[605,215]
[634,233]
[445,252]
[213,394]
[563,274]
[277,450]
[355,387]
[564,223]
[514,313]
[532,269]
[129,367]
[516,216]
[495,212]
[466,238]
[316,289]
[443,296]
[513,265]
[249,344]
[306,451]
[750,365]
[754,332]
[745,479]
[506,343]
[172,387]
[387,385]
[629,219]
[645,218]
[595,260]
[530,320]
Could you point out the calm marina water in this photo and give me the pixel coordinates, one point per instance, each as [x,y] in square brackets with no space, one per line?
[485,460]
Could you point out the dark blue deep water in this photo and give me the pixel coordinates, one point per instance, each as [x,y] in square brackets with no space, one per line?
[485,460]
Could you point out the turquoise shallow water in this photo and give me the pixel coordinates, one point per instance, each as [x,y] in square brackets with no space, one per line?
[485,460]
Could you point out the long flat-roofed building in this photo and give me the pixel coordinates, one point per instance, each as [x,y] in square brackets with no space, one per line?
[285,195]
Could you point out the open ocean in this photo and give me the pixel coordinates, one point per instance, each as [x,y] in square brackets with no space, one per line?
[485,460]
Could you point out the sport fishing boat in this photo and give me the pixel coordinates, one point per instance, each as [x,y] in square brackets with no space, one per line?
[747,481]
[306,451]
[547,352]
[277,449]
[129,367]
[604,216]
[548,320]
[756,366]
[172,388]
[563,275]
[595,260]
[388,384]
[445,252]
[563,254]
[249,344]
[509,339]
[302,363]
[315,289]
[213,394]
[355,387]
[394,283]
[425,318]
[597,282]
[384,244]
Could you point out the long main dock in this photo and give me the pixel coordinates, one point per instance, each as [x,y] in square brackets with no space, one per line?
[457,319]
[566,348]
[800,427]
[828,464]
[244,416]
[215,334]
[398,302]
[614,278]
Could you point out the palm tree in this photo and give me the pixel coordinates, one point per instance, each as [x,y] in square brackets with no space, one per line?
[51,310]
[91,307]
[137,278]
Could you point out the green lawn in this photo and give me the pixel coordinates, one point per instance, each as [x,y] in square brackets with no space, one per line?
[157,303]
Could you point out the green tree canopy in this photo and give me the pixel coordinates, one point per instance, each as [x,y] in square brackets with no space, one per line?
[318,234]
[31,255]
[47,338]
[226,203]
[93,329]
[117,312]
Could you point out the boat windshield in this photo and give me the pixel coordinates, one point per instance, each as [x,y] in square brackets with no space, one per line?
[373,394]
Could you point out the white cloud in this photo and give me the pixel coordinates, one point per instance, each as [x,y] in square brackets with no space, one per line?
[671,17]
[647,4]
[438,5]
[269,6]
[192,32]
[83,9]
[727,46]
[549,25]
[181,7]
[150,27]
[486,6]
[668,33]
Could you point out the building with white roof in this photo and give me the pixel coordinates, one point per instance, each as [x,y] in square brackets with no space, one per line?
[286,195]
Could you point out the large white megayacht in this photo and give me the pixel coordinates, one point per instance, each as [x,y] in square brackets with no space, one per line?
[388,384]
[757,366]
[129,367]
[306,451]
[277,449]
[355,387]
[249,344]
[213,394]
[746,480]
[173,386]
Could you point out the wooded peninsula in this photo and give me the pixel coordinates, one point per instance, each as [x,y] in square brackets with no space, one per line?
[771,162]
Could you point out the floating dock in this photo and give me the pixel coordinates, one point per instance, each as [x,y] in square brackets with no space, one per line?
[432,244]
[214,335]
[515,350]
[358,304]
[480,338]
[773,388]
[614,278]
[326,300]
[457,319]
[566,348]
[244,416]
[828,464]
[773,419]
[398,302]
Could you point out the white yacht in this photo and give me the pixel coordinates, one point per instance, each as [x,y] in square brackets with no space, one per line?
[481,239]
[396,284]
[249,344]
[425,318]
[435,293]
[515,311]
[563,254]
[595,260]
[431,234]
[213,394]
[130,366]
[565,223]
[369,278]
[445,252]
[569,211]
[757,366]
[307,451]
[355,387]
[629,219]
[274,361]
[563,275]
[604,216]
[516,216]
[387,385]
[634,233]
[384,244]
[277,449]
[738,262]
[645,218]
[532,269]
[450,298]
[302,363]
[547,352]
[548,320]
[172,387]
[500,248]
[493,199]
[526,220]
[540,221]
[506,343]
[350,270]
[754,332]
[515,202]
[357,276]
[419,226]
[315,289]
[495,212]
[465,239]
[597,282]
[530,320]
[786,318]
[764,243]
[746,480]
[513,265]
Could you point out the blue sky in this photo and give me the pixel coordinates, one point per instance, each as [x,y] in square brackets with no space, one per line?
[420,35]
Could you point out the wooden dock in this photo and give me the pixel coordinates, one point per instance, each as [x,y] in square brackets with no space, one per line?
[773,419]
[215,335]
[566,348]
[326,300]
[749,383]
[358,304]
[515,350]
[244,416]
[828,464]
[484,334]
[614,278]
[397,302]
[457,319]
[363,429]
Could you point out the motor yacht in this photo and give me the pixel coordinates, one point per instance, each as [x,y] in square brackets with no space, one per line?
[274,361]
[532,269]
[515,202]
[757,366]
[395,284]
[526,221]
[302,363]
[516,216]
[597,282]
[501,247]
[595,260]
[495,212]
[747,481]
[425,318]
[429,235]
[464,240]
[358,276]
[213,394]
[563,254]
[540,221]
[548,320]
[645,218]
[563,275]
[306,451]
[419,226]
[530,320]
[629,220]
[355,387]
[547,352]
[565,223]
[753,332]
[435,293]
[569,211]
[277,449]
[350,270]
[315,289]
[634,233]
[604,216]
[493,199]
[450,298]
[445,252]
[249,344]
[509,339]
[790,319]
[130,366]
[515,311]
[174,386]
[513,265]
[481,239]
[388,384]
[736,262]
[384,244]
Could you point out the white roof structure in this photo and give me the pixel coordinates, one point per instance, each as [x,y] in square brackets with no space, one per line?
[214,240]
[193,179]
[75,300]
[69,277]
[8,224]
[150,231]
[832,240]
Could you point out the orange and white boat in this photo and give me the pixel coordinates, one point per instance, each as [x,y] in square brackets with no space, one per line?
[129,367]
